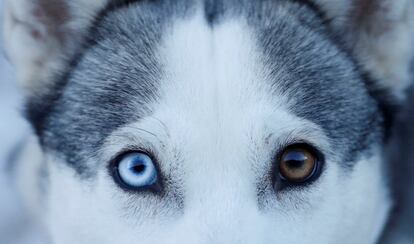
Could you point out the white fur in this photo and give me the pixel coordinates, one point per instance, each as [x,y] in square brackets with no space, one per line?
[215,130]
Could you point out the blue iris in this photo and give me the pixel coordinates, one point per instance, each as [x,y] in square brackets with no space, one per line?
[137,170]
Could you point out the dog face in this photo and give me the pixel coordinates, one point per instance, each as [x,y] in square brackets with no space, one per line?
[209,122]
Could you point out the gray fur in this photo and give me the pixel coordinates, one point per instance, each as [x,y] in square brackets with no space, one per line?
[320,77]
[116,77]
[110,84]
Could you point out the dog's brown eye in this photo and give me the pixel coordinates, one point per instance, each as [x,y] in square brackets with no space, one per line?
[298,163]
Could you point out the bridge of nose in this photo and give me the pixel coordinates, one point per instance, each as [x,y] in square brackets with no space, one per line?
[214,100]
[219,221]
[213,95]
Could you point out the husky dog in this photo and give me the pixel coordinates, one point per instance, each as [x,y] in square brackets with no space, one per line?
[210,121]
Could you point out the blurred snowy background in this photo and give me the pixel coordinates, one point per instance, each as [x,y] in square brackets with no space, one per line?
[15,227]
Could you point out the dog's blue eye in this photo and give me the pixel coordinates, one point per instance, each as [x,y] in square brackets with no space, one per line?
[137,170]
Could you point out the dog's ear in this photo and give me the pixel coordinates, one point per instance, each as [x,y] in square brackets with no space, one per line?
[381,35]
[40,34]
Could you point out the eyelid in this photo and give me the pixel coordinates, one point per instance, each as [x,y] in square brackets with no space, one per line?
[130,149]
[307,144]
[316,138]
[124,139]
[113,149]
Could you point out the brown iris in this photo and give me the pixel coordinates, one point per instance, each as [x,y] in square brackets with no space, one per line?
[298,164]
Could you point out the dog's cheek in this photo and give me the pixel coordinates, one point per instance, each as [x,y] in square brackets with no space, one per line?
[361,196]
[76,213]
[367,198]
[328,211]
[96,211]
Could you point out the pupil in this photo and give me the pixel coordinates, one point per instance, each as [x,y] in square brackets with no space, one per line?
[296,159]
[296,163]
[140,168]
